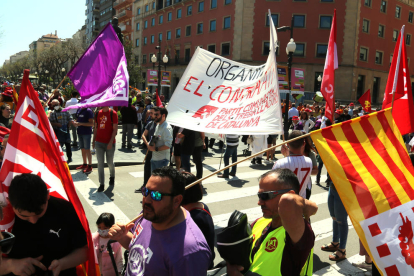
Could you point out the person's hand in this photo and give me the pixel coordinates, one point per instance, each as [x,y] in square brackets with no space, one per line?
[109,146]
[119,230]
[234,270]
[180,135]
[55,267]
[26,266]
[75,124]
[151,148]
[58,124]
[284,150]
[204,145]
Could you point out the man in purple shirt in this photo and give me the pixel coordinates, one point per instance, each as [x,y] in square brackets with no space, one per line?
[166,240]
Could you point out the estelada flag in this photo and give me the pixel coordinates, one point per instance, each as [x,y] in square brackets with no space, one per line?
[33,148]
[328,80]
[369,165]
[365,101]
[399,83]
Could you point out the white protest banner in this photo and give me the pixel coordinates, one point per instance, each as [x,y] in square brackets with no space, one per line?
[218,95]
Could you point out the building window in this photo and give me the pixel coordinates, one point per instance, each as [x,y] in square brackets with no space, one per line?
[189,9]
[363,54]
[153,21]
[199,28]
[325,21]
[187,55]
[378,57]
[212,25]
[266,48]
[227,22]
[367,3]
[139,11]
[145,40]
[300,50]
[225,49]
[398,12]
[168,35]
[169,16]
[394,35]
[275,18]
[327,1]
[227,2]
[365,26]
[153,5]
[299,21]
[177,55]
[408,39]
[381,29]
[160,19]
[321,50]
[137,26]
[211,48]
[137,42]
[144,59]
[383,7]
[146,8]
[178,13]
[145,24]
[152,39]
[160,37]
[213,5]
[201,6]
[178,33]
[188,30]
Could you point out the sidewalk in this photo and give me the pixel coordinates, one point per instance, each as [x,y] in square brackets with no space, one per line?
[135,156]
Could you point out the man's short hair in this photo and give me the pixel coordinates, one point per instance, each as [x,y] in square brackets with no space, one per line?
[28,192]
[147,98]
[178,181]
[74,94]
[285,178]
[298,143]
[164,111]
[293,105]
[155,108]
[193,194]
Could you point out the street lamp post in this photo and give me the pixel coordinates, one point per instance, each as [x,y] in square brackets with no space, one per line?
[290,49]
[164,60]
[47,72]
[319,81]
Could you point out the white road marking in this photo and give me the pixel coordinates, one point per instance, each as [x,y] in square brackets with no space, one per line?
[344,267]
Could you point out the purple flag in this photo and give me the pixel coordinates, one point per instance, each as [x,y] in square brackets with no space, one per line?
[101,75]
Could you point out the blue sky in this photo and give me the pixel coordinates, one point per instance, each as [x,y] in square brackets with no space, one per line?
[24,21]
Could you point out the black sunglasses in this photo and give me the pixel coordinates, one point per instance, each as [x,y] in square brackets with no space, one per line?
[155,195]
[6,244]
[272,194]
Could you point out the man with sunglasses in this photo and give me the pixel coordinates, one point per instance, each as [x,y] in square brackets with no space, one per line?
[166,240]
[49,235]
[283,237]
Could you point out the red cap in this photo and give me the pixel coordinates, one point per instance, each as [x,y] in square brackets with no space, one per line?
[3,132]
[8,92]
[308,110]
[351,104]
[337,112]
[296,118]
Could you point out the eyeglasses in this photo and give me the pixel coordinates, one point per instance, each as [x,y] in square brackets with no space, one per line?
[155,195]
[6,244]
[272,194]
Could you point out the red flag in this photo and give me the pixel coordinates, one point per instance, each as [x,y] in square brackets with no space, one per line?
[33,148]
[399,83]
[365,101]
[158,102]
[331,64]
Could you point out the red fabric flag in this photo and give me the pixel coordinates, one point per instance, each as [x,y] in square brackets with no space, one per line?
[158,102]
[33,148]
[328,80]
[399,83]
[365,101]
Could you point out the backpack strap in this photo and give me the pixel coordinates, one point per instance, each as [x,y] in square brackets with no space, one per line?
[198,208]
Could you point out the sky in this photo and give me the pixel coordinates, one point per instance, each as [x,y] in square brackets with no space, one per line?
[24,21]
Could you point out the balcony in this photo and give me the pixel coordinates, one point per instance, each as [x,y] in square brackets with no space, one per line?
[124,15]
[119,4]
[95,7]
[125,29]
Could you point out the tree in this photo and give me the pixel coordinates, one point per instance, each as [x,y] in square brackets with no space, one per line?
[134,70]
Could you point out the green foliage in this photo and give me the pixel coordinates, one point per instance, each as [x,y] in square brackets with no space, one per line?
[67,88]
[134,70]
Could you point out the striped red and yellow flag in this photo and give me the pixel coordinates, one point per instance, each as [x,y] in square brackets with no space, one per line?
[369,165]
[15,97]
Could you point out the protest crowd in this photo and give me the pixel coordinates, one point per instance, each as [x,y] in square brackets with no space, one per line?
[174,234]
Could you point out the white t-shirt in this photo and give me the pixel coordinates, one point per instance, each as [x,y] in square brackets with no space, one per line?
[323,122]
[72,101]
[299,165]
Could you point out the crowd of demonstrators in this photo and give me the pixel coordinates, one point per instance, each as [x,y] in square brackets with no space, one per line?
[105,130]
[48,233]
[61,121]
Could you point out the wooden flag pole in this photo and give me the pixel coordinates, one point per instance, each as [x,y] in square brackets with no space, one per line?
[231,165]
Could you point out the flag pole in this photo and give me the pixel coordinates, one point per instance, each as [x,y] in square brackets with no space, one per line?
[231,165]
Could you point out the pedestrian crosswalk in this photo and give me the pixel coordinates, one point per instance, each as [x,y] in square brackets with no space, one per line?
[222,196]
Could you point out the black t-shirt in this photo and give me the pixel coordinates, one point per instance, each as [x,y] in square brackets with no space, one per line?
[204,221]
[189,142]
[54,235]
[129,115]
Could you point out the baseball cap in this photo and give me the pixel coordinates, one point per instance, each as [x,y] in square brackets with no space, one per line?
[295,118]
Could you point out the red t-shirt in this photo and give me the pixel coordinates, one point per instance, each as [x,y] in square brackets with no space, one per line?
[105,126]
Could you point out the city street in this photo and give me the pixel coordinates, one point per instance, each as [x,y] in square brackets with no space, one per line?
[221,196]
